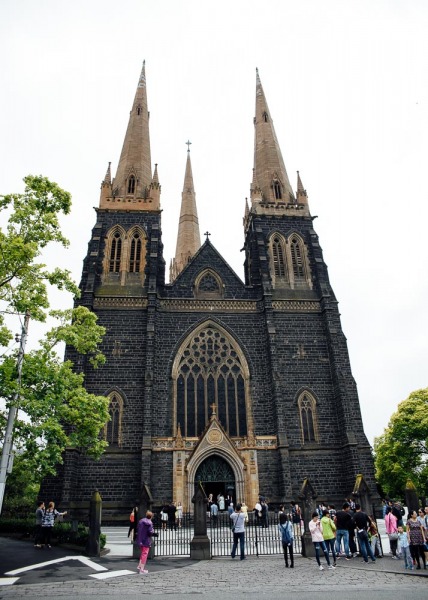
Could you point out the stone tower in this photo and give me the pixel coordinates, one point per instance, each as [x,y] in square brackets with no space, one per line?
[245,386]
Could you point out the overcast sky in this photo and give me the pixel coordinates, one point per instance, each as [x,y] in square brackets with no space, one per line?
[347,87]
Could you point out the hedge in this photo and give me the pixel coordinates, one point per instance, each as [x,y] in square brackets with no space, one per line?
[62,532]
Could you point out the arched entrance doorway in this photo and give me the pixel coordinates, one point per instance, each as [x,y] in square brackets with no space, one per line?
[216,476]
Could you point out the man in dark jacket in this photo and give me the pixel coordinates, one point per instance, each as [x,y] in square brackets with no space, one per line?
[343,521]
[362,523]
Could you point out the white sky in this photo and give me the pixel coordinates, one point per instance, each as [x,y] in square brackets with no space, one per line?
[347,87]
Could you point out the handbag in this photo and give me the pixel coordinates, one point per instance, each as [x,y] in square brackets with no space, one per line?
[393,536]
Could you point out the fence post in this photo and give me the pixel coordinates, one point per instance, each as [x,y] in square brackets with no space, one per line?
[93,544]
[200,544]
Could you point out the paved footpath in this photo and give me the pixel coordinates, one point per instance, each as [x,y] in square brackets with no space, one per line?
[261,578]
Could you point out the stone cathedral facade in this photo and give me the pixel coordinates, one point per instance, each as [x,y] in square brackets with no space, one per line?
[245,386]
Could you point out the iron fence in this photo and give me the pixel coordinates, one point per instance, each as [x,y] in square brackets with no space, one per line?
[260,538]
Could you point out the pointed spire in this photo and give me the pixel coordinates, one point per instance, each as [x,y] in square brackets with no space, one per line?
[155,178]
[134,172]
[247,208]
[270,175]
[302,196]
[188,238]
[107,178]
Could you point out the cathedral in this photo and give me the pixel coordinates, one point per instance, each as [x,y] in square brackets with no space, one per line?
[244,386]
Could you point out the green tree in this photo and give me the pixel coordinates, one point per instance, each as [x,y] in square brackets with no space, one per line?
[401,452]
[55,410]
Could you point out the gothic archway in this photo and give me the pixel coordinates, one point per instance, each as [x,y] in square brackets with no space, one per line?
[216,476]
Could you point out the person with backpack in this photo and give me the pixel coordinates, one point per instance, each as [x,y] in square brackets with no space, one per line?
[287,538]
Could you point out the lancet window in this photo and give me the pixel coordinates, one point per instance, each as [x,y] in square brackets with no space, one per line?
[131,185]
[297,258]
[113,429]
[307,411]
[135,253]
[115,252]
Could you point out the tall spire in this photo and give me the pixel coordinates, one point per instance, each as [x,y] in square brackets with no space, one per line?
[270,180]
[134,173]
[188,238]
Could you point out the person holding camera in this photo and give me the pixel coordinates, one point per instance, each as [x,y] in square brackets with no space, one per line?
[145,533]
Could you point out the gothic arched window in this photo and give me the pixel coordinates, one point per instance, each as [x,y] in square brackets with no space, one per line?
[135,253]
[131,185]
[297,258]
[113,429]
[307,411]
[210,369]
[279,268]
[115,253]
[277,190]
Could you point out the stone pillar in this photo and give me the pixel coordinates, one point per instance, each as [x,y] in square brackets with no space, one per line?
[308,505]
[95,509]
[146,501]
[200,548]
[361,495]
[411,496]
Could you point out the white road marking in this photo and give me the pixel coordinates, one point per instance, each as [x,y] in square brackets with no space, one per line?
[83,559]
[112,574]
[8,580]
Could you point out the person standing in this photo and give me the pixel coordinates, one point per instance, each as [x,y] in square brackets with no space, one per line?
[40,511]
[145,533]
[48,522]
[238,529]
[343,521]
[133,523]
[392,531]
[179,513]
[329,533]
[214,514]
[287,538]
[416,538]
[362,524]
[404,548]
[172,509]
[374,537]
[318,540]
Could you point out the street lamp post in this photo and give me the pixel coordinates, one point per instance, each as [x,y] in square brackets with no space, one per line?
[7,454]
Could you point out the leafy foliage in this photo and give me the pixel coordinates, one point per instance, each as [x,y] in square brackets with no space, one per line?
[401,452]
[55,410]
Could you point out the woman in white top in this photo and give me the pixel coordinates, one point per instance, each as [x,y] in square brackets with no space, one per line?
[238,528]
[315,528]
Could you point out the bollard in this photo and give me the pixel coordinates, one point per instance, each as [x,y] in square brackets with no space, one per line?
[93,545]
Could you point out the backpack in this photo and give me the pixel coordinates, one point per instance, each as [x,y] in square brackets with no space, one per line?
[285,533]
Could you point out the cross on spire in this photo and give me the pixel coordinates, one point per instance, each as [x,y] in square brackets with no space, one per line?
[207,233]
[188,144]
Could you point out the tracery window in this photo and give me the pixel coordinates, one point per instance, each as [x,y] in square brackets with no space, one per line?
[113,429]
[115,253]
[210,370]
[297,258]
[135,253]
[307,411]
[279,268]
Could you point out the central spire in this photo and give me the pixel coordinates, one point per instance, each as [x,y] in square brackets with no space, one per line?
[188,238]
[270,180]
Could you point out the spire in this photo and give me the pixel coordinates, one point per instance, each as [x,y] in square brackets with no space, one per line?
[107,178]
[134,173]
[302,196]
[270,180]
[188,239]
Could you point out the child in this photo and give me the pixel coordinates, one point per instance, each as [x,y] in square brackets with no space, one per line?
[404,548]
